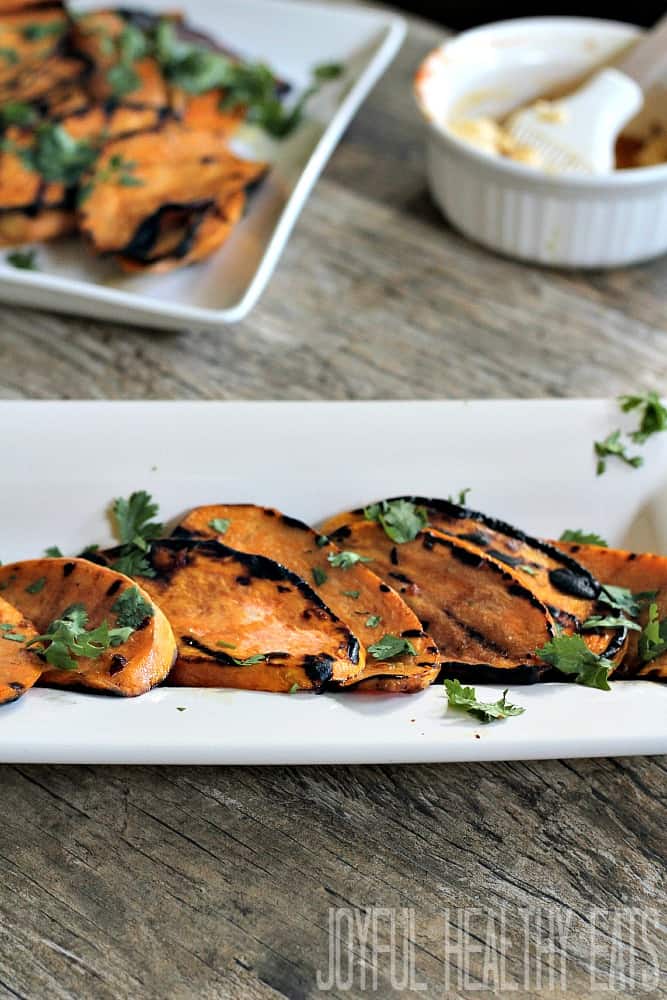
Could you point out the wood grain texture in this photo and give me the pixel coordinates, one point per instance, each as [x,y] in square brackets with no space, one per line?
[216,883]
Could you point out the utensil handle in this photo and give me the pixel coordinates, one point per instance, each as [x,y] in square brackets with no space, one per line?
[647,60]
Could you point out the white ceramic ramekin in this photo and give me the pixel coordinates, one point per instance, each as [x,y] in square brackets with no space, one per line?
[570,221]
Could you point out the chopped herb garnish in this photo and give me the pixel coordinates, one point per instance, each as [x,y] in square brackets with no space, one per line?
[294,688]
[23,260]
[319,576]
[465,698]
[17,113]
[36,32]
[56,156]
[583,537]
[135,530]
[653,415]
[354,594]
[250,661]
[527,568]
[609,621]
[37,586]
[220,525]
[624,600]
[373,621]
[67,638]
[462,497]
[390,646]
[123,79]
[402,520]
[570,655]
[343,560]
[5,627]
[13,636]
[10,56]
[613,446]
[132,609]
[321,541]
[225,645]
[117,170]
[53,552]
[653,640]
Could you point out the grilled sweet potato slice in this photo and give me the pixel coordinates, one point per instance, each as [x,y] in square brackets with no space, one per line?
[355,594]
[244,621]
[30,207]
[486,623]
[566,588]
[20,667]
[185,194]
[43,589]
[640,572]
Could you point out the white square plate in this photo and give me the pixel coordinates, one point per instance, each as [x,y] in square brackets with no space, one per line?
[528,462]
[292,37]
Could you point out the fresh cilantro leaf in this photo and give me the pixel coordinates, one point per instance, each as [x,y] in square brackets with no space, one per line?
[220,524]
[225,645]
[50,29]
[132,609]
[135,530]
[23,260]
[462,497]
[123,79]
[571,655]
[609,621]
[67,638]
[354,594]
[133,44]
[465,698]
[37,586]
[53,552]
[613,446]
[10,56]
[5,627]
[402,520]
[343,560]
[653,640]
[321,541]
[328,71]
[622,599]
[117,170]
[319,576]
[17,113]
[390,646]
[653,415]
[250,661]
[56,156]
[13,636]
[583,537]
[373,621]
[294,688]
[180,708]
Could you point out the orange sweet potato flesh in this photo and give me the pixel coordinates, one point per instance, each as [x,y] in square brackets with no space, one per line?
[486,623]
[356,595]
[187,195]
[20,667]
[42,589]
[567,589]
[639,572]
[226,605]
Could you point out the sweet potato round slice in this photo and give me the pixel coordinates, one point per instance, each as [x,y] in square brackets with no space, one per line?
[355,594]
[639,572]
[20,667]
[564,586]
[486,623]
[43,589]
[245,621]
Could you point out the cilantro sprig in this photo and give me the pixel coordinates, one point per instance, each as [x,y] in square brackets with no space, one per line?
[135,530]
[583,537]
[343,560]
[570,655]
[402,520]
[67,638]
[465,699]
[652,414]
[390,646]
[613,446]
[653,640]
[23,260]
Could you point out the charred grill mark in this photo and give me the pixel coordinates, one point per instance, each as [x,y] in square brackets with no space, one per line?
[401,577]
[574,583]
[282,589]
[69,568]
[504,558]
[243,581]
[340,534]
[477,636]
[393,555]
[117,664]
[190,215]
[384,588]
[15,686]
[353,649]
[476,537]
[114,588]
[412,633]
[482,673]
[294,522]
[319,669]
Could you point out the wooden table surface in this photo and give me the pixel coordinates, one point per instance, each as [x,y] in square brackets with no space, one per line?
[183,882]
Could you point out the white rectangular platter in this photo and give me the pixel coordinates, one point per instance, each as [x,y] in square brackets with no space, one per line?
[292,36]
[530,462]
